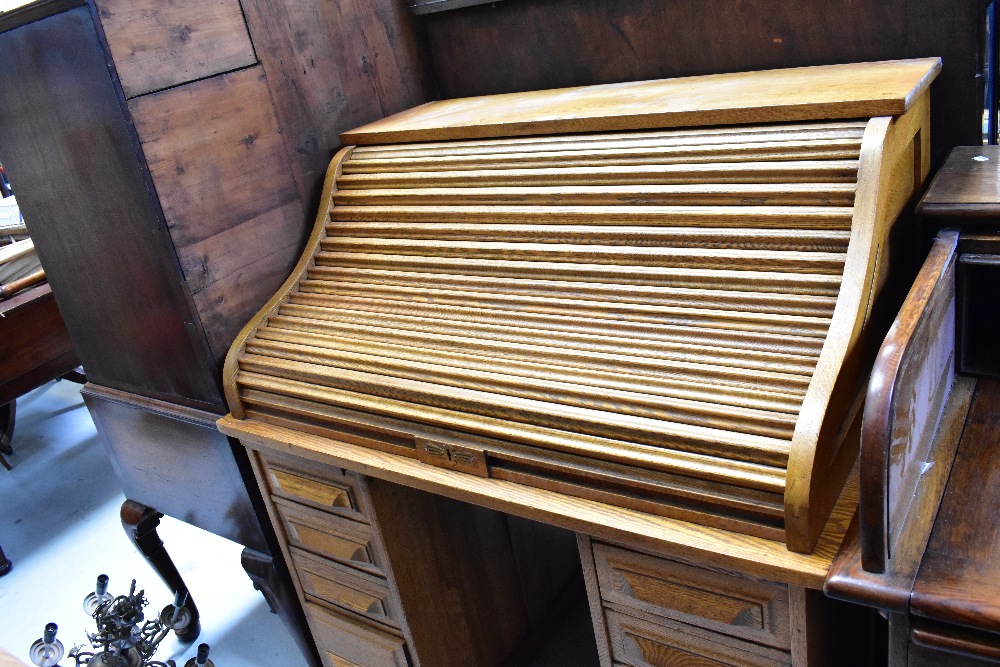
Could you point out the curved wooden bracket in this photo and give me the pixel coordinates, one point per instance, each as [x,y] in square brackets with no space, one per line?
[913,374]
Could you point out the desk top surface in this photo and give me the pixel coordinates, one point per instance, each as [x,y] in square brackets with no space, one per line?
[861,90]
[966,185]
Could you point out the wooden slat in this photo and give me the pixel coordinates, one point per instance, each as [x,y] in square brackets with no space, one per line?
[743,474]
[791,171]
[702,135]
[758,194]
[596,376]
[804,240]
[701,353]
[540,329]
[783,217]
[358,389]
[805,93]
[832,149]
[721,279]
[790,325]
[563,391]
[761,302]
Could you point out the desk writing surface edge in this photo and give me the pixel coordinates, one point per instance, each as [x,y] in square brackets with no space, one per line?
[712,546]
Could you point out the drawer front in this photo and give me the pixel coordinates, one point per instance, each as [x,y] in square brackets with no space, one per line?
[343,641]
[340,539]
[725,603]
[315,485]
[640,643]
[364,594]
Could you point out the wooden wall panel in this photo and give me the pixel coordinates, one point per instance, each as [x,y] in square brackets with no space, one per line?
[333,66]
[157,44]
[86,201]
[538,44]
[220,169]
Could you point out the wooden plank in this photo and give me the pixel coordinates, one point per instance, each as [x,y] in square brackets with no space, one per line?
[956,583]
[218,161]
[740,553]
[157,45]
[332,66]
[833,91]
[965,186]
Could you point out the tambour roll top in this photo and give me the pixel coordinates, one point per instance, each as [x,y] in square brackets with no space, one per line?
[663,317]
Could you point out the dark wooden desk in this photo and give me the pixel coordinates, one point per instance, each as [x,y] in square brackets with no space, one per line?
[932,562]
[35,349]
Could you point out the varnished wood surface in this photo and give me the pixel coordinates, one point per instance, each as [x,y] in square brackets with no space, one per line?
[907,392]
[836,91]
[756,556]
[395,329]
[543,44]
[157,45]
[34,345]
[895,160]
[156,446]
[966,187]
[109,260]
[957,581]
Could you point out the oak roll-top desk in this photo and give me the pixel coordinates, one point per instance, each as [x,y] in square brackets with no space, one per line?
[640,312]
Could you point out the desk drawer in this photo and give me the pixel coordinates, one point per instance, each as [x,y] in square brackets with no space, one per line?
[640,643]
[739,607]
[312,484]
[342,540]
[345,642]
[347,588]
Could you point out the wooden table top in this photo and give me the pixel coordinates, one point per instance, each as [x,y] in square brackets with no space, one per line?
[861,90]
[959,577]
[967,185]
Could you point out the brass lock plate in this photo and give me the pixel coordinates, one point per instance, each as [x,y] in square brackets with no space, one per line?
[453,457]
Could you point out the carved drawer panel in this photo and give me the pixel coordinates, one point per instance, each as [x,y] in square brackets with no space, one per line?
[327,535]
[639,643]
[319,486]
[361,593]
[345,642]
[736,606]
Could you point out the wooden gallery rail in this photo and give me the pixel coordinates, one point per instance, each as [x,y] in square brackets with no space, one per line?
[638,312]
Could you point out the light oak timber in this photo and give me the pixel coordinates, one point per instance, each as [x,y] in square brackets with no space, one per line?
[832,91]
[895,158]
[416,333]
[755,556]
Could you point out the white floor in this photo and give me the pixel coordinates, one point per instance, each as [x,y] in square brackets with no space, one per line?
[59,525]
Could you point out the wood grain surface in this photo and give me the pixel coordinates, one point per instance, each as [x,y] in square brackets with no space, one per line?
[957,579]
[334,66]
[544,44]
[907,392]
[751,555]
[222,175]
[835,91]
[108,256]
[157,45]
[966,187]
